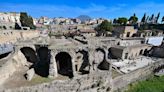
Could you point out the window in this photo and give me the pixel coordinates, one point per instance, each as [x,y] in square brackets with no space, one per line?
[126,55]
[76,68]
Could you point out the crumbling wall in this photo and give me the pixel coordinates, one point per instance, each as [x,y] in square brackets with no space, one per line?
[11,65]
[98,81]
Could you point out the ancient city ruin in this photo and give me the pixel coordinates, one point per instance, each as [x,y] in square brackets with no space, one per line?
[78,60]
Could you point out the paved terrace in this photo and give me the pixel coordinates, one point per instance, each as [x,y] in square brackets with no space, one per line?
[127,66]
[52,43]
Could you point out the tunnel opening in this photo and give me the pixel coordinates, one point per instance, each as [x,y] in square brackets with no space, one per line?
[85,62]
[102,63]
[29,54]
[42,67]
[64,64]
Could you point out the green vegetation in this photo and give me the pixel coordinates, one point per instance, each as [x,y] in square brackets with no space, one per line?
[133,19]
[122,20]
[39,80]
[104,27]
[143,20]
[26,20]
[154,84]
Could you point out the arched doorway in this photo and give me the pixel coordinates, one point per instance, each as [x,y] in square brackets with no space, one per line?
[42,67]
[100,59]
[64,64]
[30,54]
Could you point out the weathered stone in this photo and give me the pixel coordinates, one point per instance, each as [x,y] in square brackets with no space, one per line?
[30,74]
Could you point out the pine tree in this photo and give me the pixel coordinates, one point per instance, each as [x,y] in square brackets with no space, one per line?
[157,17]
[162,19]
[144,18]
[26,20]
[133,19]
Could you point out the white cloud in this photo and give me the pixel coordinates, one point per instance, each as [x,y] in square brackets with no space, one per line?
[60,10]
[113,11]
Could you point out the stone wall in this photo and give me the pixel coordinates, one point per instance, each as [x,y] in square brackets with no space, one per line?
[98,81]
[11,36]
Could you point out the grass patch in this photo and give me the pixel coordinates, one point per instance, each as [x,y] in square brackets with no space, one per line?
[39,80]
[154,84]
[115,73]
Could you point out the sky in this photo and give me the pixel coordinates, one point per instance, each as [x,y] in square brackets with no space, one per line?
[94,8]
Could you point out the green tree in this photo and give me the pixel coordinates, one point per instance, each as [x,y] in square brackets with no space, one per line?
[105,25]
[151,18]
[26,20]
[122,20]
[157,17]
[162,19]
[143,20]
[17,26]
[133,19]
[115,21]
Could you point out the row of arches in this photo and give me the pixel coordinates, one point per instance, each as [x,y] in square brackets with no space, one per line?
[64,61]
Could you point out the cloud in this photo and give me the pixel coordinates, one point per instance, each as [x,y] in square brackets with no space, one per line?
[93,10]
[60,10]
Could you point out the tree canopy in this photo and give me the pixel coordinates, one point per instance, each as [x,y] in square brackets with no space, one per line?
[143,20]
[26,20]
[133,19]
[122,20]
[104,26]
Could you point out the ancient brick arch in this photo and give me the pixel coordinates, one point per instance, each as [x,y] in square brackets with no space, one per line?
[23,46]
[64,63]
[29,53]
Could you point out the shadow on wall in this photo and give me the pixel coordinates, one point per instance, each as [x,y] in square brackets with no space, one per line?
[40,62]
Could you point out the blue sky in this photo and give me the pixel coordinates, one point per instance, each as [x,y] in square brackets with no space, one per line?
[94,8]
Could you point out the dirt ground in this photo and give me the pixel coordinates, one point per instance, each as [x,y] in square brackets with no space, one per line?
[18,79]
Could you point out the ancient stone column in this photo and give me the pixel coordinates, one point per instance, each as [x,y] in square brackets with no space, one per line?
[53,67]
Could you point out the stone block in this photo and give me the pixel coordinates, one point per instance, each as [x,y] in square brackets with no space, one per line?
[30,74]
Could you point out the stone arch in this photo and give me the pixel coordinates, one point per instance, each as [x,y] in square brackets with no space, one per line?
[64,64]
[100,59]
[84,62]
[29,54]
[42,67]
